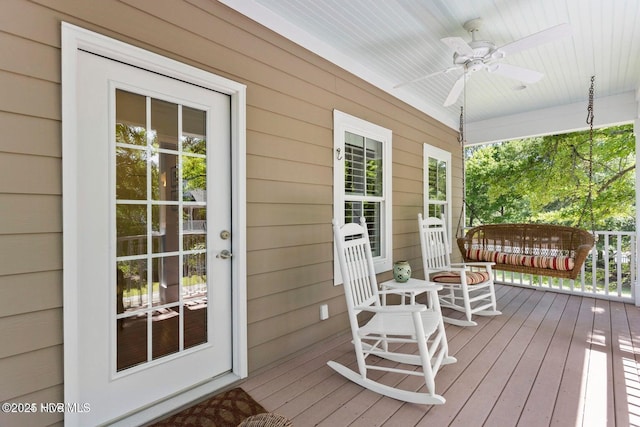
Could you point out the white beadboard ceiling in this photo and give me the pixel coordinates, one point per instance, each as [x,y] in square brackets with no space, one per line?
[387,42]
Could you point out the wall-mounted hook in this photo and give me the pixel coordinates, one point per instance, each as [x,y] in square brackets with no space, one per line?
[339,155]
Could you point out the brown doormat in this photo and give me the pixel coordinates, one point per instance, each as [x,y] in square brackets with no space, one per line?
[227,409]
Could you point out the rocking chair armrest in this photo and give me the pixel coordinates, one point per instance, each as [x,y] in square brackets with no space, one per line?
[407,308]
[475,263]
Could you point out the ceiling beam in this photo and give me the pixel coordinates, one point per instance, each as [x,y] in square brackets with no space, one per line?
[608,111]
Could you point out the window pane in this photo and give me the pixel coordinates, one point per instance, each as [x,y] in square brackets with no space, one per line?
[354,164]
[131,226]
[353,210]
[166,235]
[166,280]
[442,180]
[194,125]
[131,286]
[164,124]
[372,216]
[131,174]
[437,179]
[194,179]
[131,118]
[165,331]
[363,166]
[374,168]
[132,341]
[194,226]
[164,176]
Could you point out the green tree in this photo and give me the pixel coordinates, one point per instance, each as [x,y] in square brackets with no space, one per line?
[546,179]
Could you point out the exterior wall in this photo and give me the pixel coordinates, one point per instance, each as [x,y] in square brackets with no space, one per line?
[291,94]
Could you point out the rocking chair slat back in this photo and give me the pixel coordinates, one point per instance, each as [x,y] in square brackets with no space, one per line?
[356,266]
[431,236]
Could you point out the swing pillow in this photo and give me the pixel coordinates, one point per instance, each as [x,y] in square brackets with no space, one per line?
[563,263]
[473,277]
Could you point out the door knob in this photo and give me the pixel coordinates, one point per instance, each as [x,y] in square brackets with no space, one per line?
[224,254]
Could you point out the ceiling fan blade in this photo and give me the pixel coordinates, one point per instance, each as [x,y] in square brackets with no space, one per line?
[524,75]
[456,90]
[426,77]
[458,45]
[536,39]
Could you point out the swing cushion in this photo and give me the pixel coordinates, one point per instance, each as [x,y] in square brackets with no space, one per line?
[473,277]
[563,263]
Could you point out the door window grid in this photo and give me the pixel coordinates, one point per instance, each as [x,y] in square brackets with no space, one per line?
[185,257]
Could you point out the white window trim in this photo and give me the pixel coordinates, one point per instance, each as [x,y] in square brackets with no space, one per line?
[429,151]
[342,123]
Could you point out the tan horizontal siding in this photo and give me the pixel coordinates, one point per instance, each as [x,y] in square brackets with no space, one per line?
[30,135]
[40,418]
[25,293]
[29,58]
[31,331]
[287,170]
[295,299]
[29,96]
[22,213]
[274,282]
[265,214]
[29,372]
[288,236]
[262,191]
[30,174]
[286,345]
[283,258]
[283,147]
[27,253]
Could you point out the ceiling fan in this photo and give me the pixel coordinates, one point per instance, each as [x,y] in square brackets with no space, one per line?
[484,55]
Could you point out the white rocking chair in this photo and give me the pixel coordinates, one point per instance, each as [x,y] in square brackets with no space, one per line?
[391,327]
[468,287]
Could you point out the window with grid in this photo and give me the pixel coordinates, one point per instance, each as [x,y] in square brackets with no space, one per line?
[437,184]
[362,181]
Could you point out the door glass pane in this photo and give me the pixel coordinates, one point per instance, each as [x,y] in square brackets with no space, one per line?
[164,124]
[164,176]
[194,130]
[160,251]
[194,179]
[166,280]
[165,331]
[131,229]
[131,174]
[131,118]
[166,228]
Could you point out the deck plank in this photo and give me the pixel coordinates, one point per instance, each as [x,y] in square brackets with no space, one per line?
[549,359]
[570,401]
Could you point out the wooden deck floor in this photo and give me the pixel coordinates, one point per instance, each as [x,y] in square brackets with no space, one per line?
[549,359]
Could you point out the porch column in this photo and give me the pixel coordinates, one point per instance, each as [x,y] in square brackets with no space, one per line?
[636,132]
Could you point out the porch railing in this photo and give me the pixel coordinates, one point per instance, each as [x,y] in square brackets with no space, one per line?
[609,272]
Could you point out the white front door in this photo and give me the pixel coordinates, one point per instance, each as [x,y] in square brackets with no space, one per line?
[154,218]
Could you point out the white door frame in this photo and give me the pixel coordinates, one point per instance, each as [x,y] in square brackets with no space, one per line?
[74,39]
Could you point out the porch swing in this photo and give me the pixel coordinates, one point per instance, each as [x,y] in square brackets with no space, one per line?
[537,249]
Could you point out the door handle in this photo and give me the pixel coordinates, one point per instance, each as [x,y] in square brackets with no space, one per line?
[224,254]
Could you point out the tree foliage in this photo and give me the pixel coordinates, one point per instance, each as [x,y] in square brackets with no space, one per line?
[546,180]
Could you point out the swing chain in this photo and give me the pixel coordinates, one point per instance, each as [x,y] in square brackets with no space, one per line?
[590,117]
[461,128]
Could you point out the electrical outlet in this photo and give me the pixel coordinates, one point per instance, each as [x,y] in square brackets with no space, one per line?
[324,312]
